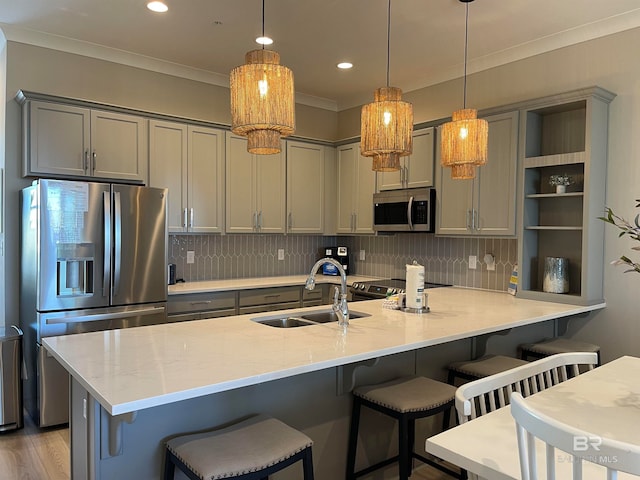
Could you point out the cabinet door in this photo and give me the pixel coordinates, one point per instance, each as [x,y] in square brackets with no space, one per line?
[419,165]
[205,179]
[168,168]
[393,180]
[496,195]
[118,146]
[348,156]
[59,139]
[454,202]
[305,188]
[269,174]
[240,195]
[364,189]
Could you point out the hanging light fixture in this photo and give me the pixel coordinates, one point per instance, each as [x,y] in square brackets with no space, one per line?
[464,139]
[386,124]
[262,100]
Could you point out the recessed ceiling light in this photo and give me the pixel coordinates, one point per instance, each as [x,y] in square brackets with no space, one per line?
[264,40]
[345,65]
[158,7]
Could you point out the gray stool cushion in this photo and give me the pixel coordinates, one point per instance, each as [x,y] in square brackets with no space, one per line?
[552,346]
[408,394]
[245,447]
[487,365]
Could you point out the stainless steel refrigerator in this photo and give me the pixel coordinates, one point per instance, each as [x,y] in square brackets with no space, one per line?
[93,258]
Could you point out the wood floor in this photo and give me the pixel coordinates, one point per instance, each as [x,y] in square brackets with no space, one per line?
[32,453]
[43,454]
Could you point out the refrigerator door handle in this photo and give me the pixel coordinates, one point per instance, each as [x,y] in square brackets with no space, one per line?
[117,255]
[105,316]
[106,280]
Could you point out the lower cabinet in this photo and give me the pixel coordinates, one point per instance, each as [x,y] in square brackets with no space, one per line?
[268,299]
[196,306]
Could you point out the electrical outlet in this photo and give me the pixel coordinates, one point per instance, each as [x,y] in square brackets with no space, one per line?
[191,256]
[473,262]
[281,254]
[362,255]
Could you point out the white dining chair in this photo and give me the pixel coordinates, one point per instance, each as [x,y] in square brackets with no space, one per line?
[581,446]
[487,394]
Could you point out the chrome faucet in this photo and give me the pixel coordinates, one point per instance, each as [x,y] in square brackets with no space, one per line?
[339,297]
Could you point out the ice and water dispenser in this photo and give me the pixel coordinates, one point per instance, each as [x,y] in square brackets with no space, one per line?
[75,263]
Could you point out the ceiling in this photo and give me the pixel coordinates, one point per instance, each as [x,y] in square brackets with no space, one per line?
[205,39]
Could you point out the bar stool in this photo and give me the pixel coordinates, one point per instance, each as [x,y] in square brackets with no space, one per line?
[551,346]
[249,450]
[405,399]
[482,367]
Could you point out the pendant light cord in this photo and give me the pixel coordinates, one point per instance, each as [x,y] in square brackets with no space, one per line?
[388,38]
[263,22]
[466,40]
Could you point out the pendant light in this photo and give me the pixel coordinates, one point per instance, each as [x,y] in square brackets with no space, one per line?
[464,139]
[262,100]
[386,124]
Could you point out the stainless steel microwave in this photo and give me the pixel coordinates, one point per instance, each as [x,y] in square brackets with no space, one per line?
[407,210]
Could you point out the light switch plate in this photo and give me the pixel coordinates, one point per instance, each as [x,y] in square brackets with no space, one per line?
[281,254]
[473,262]
[362,255]
[191,256]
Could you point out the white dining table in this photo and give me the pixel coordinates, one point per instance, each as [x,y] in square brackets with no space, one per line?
[604,401]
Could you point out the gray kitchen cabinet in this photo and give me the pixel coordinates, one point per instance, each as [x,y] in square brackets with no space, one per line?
[564,134]
[255,189]
[195,306]
[305,187]
[189,161]
[73,141]
[416,170]
[356,185]
[269,299]
[485,205]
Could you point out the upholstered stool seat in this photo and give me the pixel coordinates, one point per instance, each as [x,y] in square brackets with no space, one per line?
[405,399]
[482,367]
[251,449]
[551,346]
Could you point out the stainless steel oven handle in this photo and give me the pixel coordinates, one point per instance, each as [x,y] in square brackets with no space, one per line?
[105,316]
[409,208]
[106,276]
[118,243]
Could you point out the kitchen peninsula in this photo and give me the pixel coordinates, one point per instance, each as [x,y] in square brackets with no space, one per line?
[134,388]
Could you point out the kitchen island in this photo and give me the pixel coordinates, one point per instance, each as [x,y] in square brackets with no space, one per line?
[133,388]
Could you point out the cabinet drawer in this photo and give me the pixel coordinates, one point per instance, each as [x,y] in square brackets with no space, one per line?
[198,302]
[266,296]
[272,307]
[315,294]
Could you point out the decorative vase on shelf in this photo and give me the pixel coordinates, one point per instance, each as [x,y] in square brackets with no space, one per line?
[561,182]
[556,275]
[561,189]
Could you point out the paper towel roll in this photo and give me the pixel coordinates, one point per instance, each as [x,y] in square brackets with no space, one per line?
[415,285]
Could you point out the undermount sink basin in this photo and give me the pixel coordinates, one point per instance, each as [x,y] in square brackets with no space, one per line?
[312,318]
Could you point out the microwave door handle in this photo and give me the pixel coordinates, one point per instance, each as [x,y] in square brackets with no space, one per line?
[117,255]
[409,208]
[106,276]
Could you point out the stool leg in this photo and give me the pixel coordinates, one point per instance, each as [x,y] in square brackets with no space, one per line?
[169,467]
[403,447]
[451,377]
[307,464]
[411,436]
[446,418]
[353,439]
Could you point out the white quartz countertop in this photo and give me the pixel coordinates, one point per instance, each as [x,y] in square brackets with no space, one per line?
[258,282]
[136,368]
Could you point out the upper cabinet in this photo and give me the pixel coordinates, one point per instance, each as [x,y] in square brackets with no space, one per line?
[416,170]
[486,205]
[356,185]
[255,189]
[189,161]
[305,187]
[564,135]
[70,141]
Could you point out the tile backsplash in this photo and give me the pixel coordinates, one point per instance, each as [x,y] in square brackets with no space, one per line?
[446,259]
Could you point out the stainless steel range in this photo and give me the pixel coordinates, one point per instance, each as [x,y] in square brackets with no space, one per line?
[377,289]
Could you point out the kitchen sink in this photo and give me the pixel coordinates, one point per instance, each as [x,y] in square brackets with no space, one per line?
[307,319]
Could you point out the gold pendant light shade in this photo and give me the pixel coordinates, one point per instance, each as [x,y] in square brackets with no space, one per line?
[262,101]
[464,139]
[465,171]
[386,129]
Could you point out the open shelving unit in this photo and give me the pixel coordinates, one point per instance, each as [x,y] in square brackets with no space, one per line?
[564,135]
